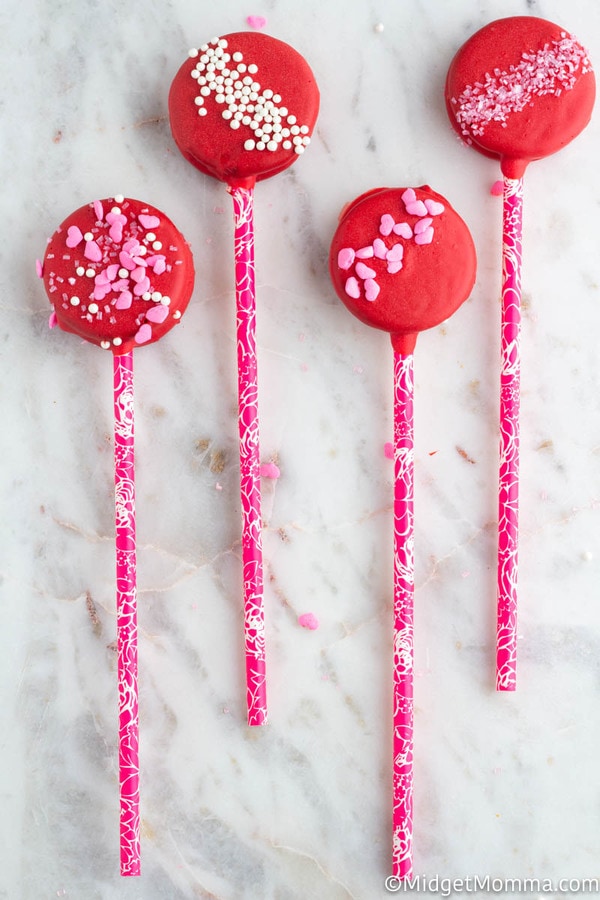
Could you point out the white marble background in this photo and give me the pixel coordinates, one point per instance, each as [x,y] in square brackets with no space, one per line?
[505,785]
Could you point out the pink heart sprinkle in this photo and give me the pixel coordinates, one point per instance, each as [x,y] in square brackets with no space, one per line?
[138,274]
[422,224]
[98,210]
[159,266]
[100,291]
[144,334]
[39,269]
[142,287]
[269,470]
[132,246]
[124,300]
[345,258]
[52,321]
[434,208]
[157,313]
[101,278]
[148,221]
[92,251]
[140,261]
[121,285]
[395,253]
[308,620]
[116,233]
[408,196]
[425,237]
[394,267]
[126,260]
[417,208]
[365,252]
[387,223]
[379,248]
[74,236]
[371,289]
[364,271]
[116,218]
[352,288]
[404,230]
[257,22]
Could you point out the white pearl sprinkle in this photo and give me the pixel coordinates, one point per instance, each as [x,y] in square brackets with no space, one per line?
[272,145]
[246,120]
[117,209]
[204,48]
[299,149]
[242,67]
[105,345]
[90,273]
[276,98]
[287,145]
[142,251]
[192,53]
[93,308]
[202,111]
[238,57]
[268,94]
[80,270]
[150,236]
[283,111]
[123,273]
[176,314]
[88,236]
[205,91]
[198,101]
[291,120]
[166,301]
[260,146]
[249,145]
[220,98]
[195,73]
[75,301]
[156,296]
[304,129]
[119,198]
[117,341]
[146,295]
[234,124]
[222,42]
[253,68]
[157,245]
[227,114]
[306,141]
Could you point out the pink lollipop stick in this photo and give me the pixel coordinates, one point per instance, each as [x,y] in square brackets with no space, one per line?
[126,616]
[508,497]
[404,588]
[254,620]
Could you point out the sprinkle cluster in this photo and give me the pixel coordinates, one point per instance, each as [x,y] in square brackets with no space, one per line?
[550,70]
[233,84]
[113,285]
[422,233]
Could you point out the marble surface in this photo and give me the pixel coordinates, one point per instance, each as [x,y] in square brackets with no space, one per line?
[504,785]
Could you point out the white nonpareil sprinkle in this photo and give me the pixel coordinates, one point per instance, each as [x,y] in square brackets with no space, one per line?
[245,101]
[117,341]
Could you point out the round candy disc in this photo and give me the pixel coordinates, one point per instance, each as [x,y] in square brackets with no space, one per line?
[402,260]
[118,273]
[243,107]
[520,89]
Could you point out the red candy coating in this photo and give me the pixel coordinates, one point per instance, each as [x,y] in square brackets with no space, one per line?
[520,89]
[273,82]
[418,273]
[118,273]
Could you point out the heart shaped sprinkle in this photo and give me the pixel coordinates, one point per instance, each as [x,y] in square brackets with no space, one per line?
[379,248]
[365,252]
[417,208]
[371,289]
[126,260]
[434,208]
[425,237]
[403,230]
[157,313]
[394,267]
[364,271]
[142,287]
[144,334]
[352,288]
[124,300]
[408,196]
[138,274]
[387,223]
[395,253]
[148,221]
[74,236]
[92,251]
[422,225]
[257,22]
[345,258]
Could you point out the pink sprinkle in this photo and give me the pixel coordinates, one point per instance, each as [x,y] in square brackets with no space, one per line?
[387,223]
[116,218]
[132,246]
[157,313]
[363,271]
[121,285]
[124,300]
[98,210]
[74,236]
[269,470]
[148,221]
[497,189]
[388,450]
[365,253]
[144,334]
[308,620]
[425,237]
[92,251]
[379,248]
[142,287]
[395,253]
[39,269]
[116,233]
[371,289]
[417,208]
[138,274]
[345,258]
[52,321]
[394,266]
[257,22]
[111,272]
[218,487]
[100,291]
[422,225]
[352,288]
[126,260]
[158,263]
[408,196]
[404,230]
[434,208]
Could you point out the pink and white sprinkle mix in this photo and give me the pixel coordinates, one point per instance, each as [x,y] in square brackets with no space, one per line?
[551,70]
[308,620]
